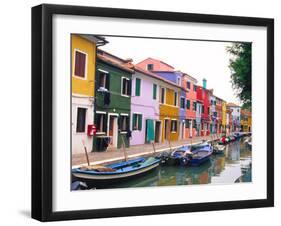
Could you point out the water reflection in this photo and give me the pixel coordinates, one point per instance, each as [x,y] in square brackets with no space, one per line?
[232,166]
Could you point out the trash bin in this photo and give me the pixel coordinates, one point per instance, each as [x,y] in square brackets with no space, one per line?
[102,143]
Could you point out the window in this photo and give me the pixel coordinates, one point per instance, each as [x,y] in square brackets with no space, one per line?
[178,81]
[195,88]
[187,123]
[215,114]
[176,99]
[154,91]
[124,123]
[194,124]
[182,102]
[80,64]
[100,122]
[208,110]
[103,80]
[187,104]
[203,109]
[188,85]
[194,106]
[137,122]
[174,125]
[238,110]
[138,87]
[81,120]
[163,95]
[150,67]
[126,86]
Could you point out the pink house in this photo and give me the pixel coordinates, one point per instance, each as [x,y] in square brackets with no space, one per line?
[145,125]
[189,84]
[151,64]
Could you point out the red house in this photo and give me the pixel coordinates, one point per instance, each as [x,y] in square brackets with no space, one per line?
[203,97]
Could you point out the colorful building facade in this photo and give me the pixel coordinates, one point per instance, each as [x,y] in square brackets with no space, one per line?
[246,121]
[236,116]
[146,125]
[83,57]
[113,101]
[190,85]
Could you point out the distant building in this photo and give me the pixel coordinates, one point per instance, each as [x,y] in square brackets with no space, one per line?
[236,116]
[190,85]
[246,121]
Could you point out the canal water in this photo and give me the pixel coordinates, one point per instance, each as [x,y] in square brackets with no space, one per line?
[234,166]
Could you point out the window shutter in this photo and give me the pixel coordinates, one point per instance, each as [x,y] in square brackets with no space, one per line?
[140,122]
[154,91]
[129,87]
[134,121]
[104,129]
[138,87]
[97,79]
[123,86]
[107,81]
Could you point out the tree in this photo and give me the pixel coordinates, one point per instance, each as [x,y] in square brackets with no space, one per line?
[240,65]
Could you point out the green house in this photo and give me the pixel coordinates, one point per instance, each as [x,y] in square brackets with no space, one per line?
[112,101]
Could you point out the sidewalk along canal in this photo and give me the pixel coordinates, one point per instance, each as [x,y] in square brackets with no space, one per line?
[114,155]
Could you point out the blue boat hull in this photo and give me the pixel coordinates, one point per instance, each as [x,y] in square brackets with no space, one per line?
[123,171]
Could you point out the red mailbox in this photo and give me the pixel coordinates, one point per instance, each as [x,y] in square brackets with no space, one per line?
[91,130]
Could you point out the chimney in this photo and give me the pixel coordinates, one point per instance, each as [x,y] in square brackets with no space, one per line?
[204,83]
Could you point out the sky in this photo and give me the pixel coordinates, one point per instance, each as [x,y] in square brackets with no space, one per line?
[200,59]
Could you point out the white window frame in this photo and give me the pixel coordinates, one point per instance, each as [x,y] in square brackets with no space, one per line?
[122,131]
[138,114]
[184,102]
[124,95]
[173,120]
[106,73]
[101,113]
[80,106]
[86,63]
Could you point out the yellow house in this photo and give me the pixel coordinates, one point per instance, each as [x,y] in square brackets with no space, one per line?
[83,64]
[223,118]
[246,121]
[169,111]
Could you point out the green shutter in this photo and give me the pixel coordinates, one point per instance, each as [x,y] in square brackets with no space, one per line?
[154,91]
[139,122]
[134,121]
[138,86]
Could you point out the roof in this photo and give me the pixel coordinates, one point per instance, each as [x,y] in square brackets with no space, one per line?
[232,105]
[99,40]
[160,61]
[122,66]
[246,112]
[149,73]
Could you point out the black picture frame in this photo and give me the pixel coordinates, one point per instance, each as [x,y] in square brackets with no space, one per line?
[42,111]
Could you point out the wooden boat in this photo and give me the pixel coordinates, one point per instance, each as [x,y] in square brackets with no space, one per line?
[218,149]
[102,175]
[200,155]
[179,156]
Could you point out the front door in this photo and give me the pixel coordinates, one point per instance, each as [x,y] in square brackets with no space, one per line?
[157,131]
[113,130]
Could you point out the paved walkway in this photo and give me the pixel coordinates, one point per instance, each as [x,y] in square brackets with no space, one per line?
[114,154]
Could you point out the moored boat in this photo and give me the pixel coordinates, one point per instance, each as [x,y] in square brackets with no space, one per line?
[200,155]
[99,176]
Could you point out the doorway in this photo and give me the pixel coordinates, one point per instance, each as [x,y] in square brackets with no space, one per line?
[113,129]
[157,131]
